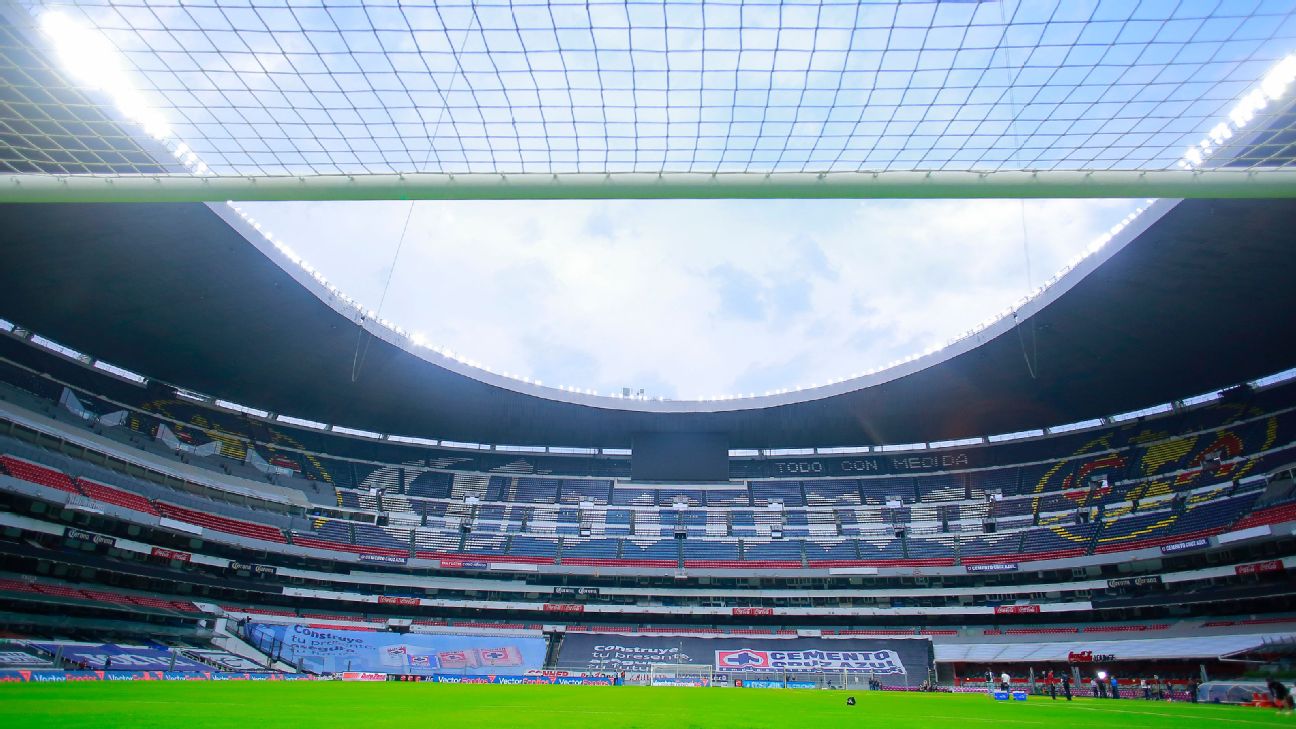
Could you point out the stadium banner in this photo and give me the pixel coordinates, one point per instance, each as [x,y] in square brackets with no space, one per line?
[463,564]
[997,567]
[21,676]
[1016,609]
[575,591]
[776,684]
[1185,545]
[394,600]
[81,535]
[753,611]
[16,658]
[854,466]
[1255,568]
[384,558]
[1089,657]
[557,607]
[332,650]
[902,660]
[170,554]
[254,568]
[1134,581]
[123,658]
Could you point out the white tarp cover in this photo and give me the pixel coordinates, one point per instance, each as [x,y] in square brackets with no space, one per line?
[165,435]
[1190,647]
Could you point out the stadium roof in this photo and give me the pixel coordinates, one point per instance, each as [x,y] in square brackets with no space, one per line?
[1193,296]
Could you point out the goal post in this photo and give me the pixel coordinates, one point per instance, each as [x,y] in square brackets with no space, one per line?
[948,184]
[681,674]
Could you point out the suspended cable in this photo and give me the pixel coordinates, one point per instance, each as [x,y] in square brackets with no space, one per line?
[362,341]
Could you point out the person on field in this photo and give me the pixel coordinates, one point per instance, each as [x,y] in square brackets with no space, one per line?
[1192,689]
[1147,690]
[1115,685]
[1282,698]
[1052,686]
[1066,686]
[1005,681]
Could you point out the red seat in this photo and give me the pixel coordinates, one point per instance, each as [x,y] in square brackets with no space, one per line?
[38,474]
[1272,515]
[221,523]
[116,496]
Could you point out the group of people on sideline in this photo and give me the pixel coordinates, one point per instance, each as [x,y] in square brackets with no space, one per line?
[1103,686]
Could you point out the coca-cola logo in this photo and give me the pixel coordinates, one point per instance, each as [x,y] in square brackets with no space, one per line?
[170,554]
[551,607]
[1269,565]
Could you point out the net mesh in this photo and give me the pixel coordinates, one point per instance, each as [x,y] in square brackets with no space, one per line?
[681,674]
[759,87]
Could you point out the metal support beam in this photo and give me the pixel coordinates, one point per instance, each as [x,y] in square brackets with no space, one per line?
[1217,183]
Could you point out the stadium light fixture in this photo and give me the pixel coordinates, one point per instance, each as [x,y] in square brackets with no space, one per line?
[1271,88]
[89,57]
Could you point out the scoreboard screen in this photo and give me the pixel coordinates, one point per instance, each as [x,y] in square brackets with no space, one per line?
[679,457]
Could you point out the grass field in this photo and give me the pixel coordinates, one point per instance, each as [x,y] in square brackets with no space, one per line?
[201,705]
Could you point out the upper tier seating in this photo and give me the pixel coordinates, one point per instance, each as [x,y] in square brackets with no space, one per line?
[36,473]
[111,495]
[575,491]
[787,493]
[832,492]
[220,523]
[1162,484]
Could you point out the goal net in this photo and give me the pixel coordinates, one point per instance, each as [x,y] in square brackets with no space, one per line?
[681,674]
[602,98]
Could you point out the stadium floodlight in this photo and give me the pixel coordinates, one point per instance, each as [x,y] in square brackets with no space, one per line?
[563,99]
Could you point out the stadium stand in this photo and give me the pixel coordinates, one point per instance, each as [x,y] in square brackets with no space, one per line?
[374,519]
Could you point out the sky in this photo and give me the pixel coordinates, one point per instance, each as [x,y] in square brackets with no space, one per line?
[689,299]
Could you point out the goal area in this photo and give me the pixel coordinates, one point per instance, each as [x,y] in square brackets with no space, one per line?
[697,675]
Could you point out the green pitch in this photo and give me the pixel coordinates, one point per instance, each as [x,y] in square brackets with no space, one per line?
[320,705]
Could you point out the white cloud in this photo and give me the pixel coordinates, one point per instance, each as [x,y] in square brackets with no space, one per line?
[690,298]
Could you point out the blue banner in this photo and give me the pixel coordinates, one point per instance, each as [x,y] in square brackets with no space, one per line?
[117,658]
[322,650]
[1185,545]
[20,676]
[779,684]
[996,567]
